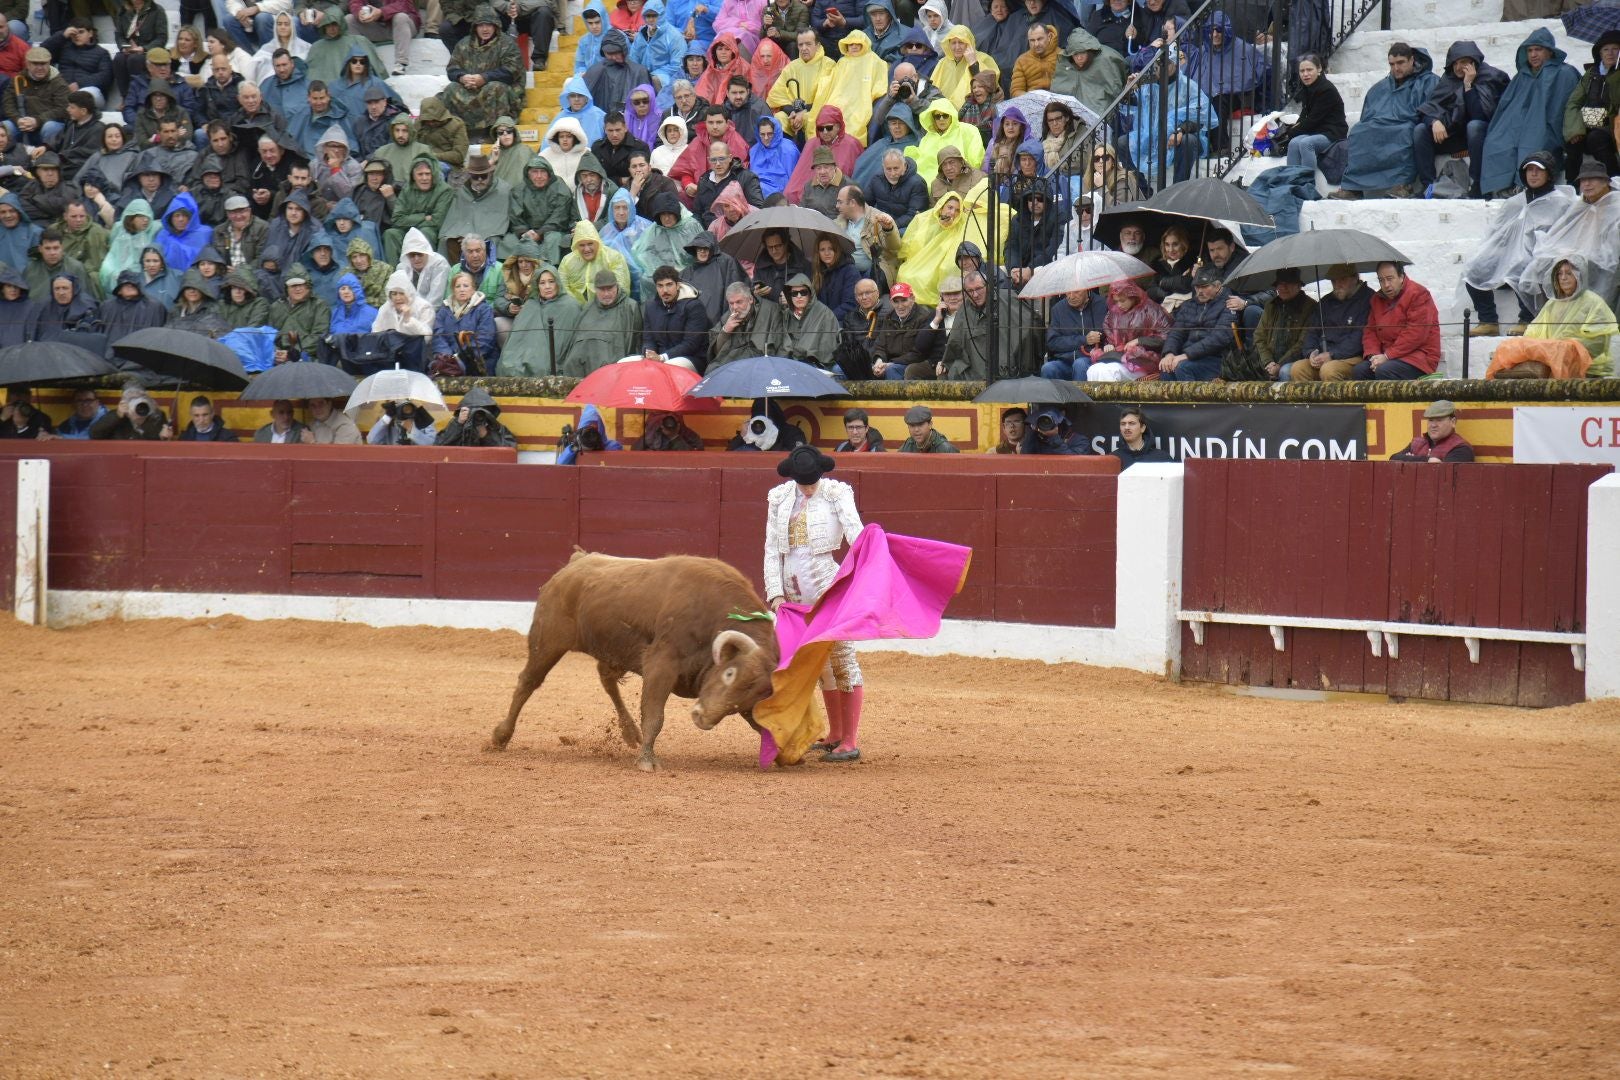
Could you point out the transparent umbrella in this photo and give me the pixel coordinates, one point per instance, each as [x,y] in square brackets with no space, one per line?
[366,403]
[1083,270]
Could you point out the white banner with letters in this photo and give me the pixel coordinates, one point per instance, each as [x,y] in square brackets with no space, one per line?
[1574,434]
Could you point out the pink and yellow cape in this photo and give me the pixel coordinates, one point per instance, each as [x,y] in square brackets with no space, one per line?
[887,587]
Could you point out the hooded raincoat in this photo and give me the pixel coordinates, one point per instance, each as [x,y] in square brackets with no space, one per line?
[565,162]
[1530,113]
[1187,105]
[767,65]
[844,146]
[355,318]
[1232,67]
[1503,255]
[1586,230]
[928,250]
[540,333]
[254,310]
[965,137]
[666,151]
[120,317]
[588,49]
[711,278]
[711,87]
[124,252]
[589,417]
[661,245]
[869,165]
[180,248]
[1381,141]
[578,275]
[659,51]
[603,335]
[860,77]
[773,159]
[415,321]
[953,77]
[742,18]
[1583,317]
[590,119]
[415,209]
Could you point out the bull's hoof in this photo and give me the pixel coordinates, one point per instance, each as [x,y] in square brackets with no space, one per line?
[498,741]
[630,734]
[647,764]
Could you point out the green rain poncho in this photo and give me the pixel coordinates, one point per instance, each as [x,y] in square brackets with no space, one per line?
[540,333]
[124,253]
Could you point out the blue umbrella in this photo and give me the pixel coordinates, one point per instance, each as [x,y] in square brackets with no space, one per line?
[767,377]
[1592,21]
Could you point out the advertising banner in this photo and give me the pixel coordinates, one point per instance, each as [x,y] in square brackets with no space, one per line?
[1312,432]
[1576,434]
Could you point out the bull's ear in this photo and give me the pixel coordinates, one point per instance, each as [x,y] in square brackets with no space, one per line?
[727,643]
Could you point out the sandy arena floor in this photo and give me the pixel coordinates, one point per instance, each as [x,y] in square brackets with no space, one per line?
[237,849]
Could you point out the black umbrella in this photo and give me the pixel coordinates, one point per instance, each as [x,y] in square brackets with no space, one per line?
[300,381]
[1312,253]
[48,361]
[1211,200]
[190,358]
[804,227]
[1106,228]
[767,377]
[1032,390]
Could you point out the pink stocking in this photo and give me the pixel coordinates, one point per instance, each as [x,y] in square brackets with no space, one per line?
[835,715]
[853,699]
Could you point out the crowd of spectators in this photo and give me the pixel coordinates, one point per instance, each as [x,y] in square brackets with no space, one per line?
[267,173]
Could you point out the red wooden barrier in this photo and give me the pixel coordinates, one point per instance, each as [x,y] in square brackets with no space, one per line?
[451,524]
[1468,545]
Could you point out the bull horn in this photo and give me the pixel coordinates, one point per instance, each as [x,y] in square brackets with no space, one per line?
[742,640]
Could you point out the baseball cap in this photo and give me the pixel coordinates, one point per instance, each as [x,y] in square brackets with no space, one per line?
[157,55]
[902,289]
[919,414]
[1439,410]
[237,202]
[1207,275]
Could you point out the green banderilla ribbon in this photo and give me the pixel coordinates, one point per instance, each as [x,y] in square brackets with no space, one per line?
[752,616]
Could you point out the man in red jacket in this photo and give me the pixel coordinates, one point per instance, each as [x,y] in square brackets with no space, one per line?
[694,160]
[1402,338]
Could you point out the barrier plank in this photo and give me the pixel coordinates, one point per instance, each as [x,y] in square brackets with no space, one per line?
[8,536]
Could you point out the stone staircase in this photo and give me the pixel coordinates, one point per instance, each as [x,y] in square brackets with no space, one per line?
[1438,235]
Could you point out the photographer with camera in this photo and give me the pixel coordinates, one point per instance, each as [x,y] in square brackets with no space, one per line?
[20,420]
[475,423]
[137,417]
[591,437]
[402,424]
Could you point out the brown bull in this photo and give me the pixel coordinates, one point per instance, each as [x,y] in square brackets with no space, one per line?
[665,619]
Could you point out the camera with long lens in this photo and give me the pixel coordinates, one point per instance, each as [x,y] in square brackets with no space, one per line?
[142,408]
[907,88]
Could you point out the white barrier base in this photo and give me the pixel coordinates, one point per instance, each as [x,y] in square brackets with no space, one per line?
[988,640]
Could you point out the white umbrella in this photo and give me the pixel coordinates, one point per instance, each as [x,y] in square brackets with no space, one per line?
[366,403]
[1083,270]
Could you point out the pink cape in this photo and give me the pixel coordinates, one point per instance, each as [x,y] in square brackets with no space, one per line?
[888,587]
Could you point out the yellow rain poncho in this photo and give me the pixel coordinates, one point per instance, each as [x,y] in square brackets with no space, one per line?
[965,137]
[1582,319]
[857,80]
[928,250]
[953,77]
[576,274]
[809,75]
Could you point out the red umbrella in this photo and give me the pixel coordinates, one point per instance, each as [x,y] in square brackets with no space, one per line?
[642,384]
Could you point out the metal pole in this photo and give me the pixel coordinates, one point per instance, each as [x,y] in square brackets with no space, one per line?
[1384,15]
[1279,77]
[1468,318]
[990,271]
[1163,119]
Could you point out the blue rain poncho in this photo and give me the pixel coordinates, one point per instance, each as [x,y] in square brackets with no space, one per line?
[1187,104]
[1381,141]
[1530,114]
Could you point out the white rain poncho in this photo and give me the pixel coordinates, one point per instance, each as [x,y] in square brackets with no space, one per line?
[1587,230]
[1504,254]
